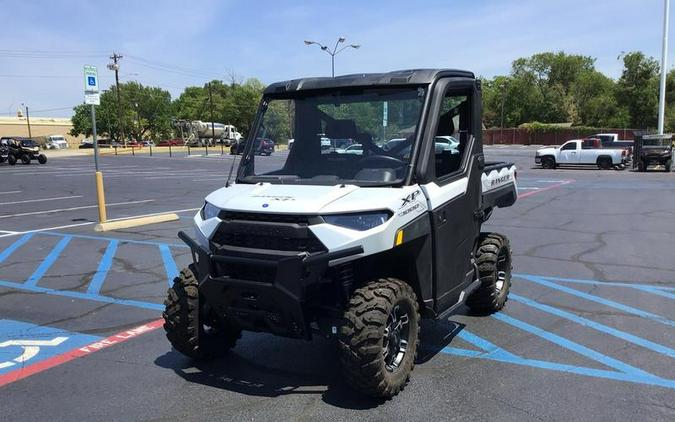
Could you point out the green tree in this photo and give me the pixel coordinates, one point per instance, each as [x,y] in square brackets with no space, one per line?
[637,89]
[146,113]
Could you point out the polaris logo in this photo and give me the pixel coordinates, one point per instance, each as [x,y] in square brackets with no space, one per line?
[500,180]
[274,198]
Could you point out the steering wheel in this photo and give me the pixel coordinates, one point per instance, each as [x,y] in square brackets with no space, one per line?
[384,160]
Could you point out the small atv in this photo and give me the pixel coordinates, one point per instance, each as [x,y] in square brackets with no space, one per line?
[24,150]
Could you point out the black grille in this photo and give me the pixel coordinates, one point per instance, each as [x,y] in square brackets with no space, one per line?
[305,220]
[278,232]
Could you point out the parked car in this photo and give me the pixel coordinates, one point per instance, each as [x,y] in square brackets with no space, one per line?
[356,149]
[581,152]
[171,142]
[263,146]
[102,143]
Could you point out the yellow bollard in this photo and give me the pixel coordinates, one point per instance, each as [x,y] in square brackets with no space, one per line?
[100,194]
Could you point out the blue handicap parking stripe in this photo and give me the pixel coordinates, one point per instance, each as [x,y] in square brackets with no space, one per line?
[647,344]
[103,268]
[23,343]
[14,246]
[169,263]
[597,299]
[48,261]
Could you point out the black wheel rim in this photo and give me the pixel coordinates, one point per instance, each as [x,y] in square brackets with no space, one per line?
[503,267]
[396,337]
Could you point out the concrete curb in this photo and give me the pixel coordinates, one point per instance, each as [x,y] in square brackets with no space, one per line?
[135,222]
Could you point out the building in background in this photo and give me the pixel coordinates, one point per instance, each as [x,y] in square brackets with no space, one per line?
[39,127]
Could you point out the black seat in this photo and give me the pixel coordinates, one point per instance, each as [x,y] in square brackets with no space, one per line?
[341,129]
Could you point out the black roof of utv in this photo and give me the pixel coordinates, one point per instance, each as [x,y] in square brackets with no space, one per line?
[395,78]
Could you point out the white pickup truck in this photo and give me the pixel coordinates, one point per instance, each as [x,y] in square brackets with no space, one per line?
[581,152]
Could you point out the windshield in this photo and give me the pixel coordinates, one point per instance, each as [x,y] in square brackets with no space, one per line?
[361,137]
[29,143]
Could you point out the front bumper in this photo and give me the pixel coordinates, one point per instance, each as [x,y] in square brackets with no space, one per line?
[273,302]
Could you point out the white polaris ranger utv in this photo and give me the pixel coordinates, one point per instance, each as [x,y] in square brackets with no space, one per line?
[359,246]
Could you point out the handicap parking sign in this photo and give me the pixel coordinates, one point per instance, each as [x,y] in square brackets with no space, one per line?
[23,344]
[90,79]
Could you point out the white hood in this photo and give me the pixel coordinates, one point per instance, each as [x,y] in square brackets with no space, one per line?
[275,198]
[547,151]
[304,199]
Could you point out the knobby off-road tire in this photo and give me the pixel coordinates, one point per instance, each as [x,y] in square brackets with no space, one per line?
[668,166]
[11,159]
[25,159]
[183,321]
[494,270]
[379,337]
[42,159]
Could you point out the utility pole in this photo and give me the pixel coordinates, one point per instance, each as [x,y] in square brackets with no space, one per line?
[664,63]
[116,67]
[28,121]
[213,128]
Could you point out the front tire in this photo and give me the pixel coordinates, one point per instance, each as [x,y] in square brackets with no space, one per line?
[11,159]
[493,259]
[668,166]
[548,163]
[379,337]
[25,159]
[186,326]
[42,159]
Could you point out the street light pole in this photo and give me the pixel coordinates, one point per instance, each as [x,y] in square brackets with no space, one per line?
[664,69]
[334,52]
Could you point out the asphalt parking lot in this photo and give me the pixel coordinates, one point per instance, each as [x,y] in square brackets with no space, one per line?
[588,332]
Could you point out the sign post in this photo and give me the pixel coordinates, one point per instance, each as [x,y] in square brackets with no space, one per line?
[385,118]
[93,98]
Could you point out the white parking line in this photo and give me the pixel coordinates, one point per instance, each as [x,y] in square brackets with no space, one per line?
[11,191]
[74,208]
[521,188]
[41,200]
[88,223]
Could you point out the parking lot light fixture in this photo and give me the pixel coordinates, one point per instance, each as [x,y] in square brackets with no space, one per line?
[334,52]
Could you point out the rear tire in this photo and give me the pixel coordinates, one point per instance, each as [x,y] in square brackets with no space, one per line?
[668,166]
[42,159]
[604,163]
[493,259]
[548,163]
[25,159]
[11,159]
[185,325]
[642,167]
[379,337]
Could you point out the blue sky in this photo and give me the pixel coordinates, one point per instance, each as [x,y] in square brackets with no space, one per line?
[173,44]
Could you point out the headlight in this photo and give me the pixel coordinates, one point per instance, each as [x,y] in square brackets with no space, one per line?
[209,211]
[358,222]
